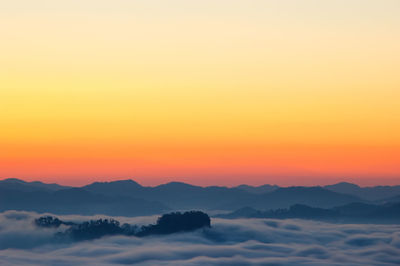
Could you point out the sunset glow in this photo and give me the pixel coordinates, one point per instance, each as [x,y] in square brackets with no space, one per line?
[206,92]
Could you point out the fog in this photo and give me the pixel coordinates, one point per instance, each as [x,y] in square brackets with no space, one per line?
[228,242]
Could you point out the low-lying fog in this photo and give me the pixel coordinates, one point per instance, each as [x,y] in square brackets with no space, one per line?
[228,242]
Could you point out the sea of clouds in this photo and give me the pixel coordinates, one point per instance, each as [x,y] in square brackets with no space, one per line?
[228,242]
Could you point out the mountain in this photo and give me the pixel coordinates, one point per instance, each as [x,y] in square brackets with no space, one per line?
[344,187]
[339,202]
[120,187]
[376,193]
[177,195]
[395,199]
[313,196]
[187,196]
[127,197]
[258,190]
[295,211]
[285,197]
[76,201]
[349,213]
[20,185]
[356,209]
[245,212]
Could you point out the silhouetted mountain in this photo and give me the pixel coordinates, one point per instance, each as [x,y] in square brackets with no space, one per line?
[127,197]
[179,195]
[259,189]
[357,209]
[370,213]
[76,201]
[17,184]
[354,212]
[245,212]
[166,224]
[344,187]
[120,187]
[176,195]
[368,193]
[184,196]
[295,211]
[387,211]
[312,196]
[285,197]
[395,199]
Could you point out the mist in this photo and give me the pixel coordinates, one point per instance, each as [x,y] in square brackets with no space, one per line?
[227,242]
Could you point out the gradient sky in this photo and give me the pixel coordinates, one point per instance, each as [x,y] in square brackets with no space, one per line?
[207,92]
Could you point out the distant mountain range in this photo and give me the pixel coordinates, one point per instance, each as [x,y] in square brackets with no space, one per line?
[377,193]
[353,212]
[17,184]
[128,198]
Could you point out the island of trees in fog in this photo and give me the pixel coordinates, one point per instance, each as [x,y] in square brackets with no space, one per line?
[166,224]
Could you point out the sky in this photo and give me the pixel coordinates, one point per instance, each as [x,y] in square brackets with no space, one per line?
[289,92]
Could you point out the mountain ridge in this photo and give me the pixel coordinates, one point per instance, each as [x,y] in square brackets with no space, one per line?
[128,197]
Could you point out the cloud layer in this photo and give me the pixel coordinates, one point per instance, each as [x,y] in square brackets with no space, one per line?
[228,242]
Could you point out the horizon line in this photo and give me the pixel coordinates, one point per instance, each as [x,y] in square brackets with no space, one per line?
[197,185]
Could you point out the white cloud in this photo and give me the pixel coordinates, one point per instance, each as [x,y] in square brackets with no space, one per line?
[228,242]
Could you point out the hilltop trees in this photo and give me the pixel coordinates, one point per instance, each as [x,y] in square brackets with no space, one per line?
[49,221]
[166,224]
[177,222]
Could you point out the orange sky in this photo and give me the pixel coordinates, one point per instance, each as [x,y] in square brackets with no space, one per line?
[209,92]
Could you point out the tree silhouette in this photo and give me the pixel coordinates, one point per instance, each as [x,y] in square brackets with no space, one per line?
[49,221]
[177,222]
[94,229]
[166,224]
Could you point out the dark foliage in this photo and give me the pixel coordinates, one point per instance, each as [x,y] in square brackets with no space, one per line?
[177,222]
[94,229]
[49,221]
[166,224]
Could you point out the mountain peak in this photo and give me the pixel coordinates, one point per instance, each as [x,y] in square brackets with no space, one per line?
[18,184]
[128,182]
[125,181]
[13,180]
[176,184]
[344,185]
[257,189]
